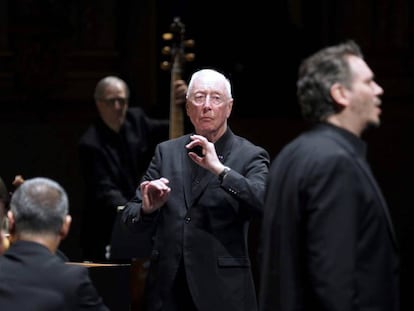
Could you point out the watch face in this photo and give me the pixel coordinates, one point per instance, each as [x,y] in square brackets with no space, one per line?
[224,173]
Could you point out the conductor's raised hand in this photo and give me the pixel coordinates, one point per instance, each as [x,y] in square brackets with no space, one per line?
[203,152]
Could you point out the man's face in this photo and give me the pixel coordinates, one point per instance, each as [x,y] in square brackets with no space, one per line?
[208,107]
[113,105]
[364,94]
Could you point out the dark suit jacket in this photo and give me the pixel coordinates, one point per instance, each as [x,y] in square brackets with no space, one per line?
[328,241]
[34,279]
[205,224]
[112,165]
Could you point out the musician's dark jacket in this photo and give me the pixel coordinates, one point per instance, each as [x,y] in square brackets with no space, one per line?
[32,278]
[328,240]
[204,224]
[112,165]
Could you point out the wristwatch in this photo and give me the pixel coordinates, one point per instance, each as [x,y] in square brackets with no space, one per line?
[224,173]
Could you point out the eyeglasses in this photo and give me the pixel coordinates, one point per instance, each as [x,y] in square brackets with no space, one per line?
[112,101]
[201,99]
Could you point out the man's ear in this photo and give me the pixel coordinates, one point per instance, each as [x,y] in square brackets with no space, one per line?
[11,222]
[230,107]
[64,230]
[339,94]
[186,107]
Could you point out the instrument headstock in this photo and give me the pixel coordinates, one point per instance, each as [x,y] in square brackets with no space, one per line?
[176,46]
[176,49]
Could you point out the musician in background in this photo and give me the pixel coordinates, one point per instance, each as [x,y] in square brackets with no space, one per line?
[114,152]
[201,191]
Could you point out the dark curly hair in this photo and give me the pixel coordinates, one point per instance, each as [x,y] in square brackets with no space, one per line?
[318,73]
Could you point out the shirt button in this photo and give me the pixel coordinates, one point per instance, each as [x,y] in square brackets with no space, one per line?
[187,219]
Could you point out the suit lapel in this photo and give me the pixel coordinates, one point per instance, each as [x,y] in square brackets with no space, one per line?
[200,180]
[187,178]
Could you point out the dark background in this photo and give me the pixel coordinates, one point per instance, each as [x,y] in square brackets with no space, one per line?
[52,53]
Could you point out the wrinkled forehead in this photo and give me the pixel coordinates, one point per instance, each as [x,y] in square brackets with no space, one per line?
[209,83]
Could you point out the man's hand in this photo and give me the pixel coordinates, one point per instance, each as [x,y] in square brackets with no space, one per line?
[18,180]
[208,157]
[154,194]
[180,91]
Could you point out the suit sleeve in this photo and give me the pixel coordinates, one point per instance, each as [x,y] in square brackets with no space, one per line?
[246,181]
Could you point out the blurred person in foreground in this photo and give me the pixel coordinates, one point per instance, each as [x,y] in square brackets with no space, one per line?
[32,275]
[328,242]
[201,191]
[114,153]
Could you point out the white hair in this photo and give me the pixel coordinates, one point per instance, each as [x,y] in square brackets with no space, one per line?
[211,74]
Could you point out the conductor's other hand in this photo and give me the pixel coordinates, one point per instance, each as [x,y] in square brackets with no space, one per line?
[154,194]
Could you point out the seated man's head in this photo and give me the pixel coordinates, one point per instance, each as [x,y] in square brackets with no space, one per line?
[39,212]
